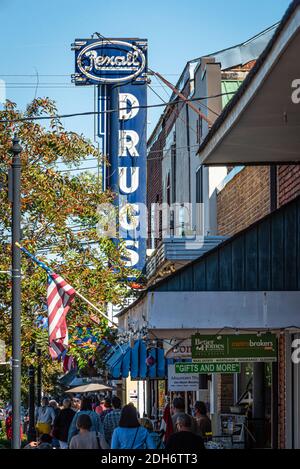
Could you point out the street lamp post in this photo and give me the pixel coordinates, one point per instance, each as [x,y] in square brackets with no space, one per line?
[16,294]
[31,427]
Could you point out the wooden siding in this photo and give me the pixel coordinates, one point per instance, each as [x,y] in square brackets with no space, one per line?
[266,256]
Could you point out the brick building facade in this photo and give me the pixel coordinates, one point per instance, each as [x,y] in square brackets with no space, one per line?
[288,177]
[244,200]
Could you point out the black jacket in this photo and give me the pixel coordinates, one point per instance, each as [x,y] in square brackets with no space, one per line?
[185,441]
[62,423]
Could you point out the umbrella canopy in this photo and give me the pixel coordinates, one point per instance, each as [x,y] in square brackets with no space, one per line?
[91,387]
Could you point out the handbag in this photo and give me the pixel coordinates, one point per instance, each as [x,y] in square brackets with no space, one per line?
[98,441]
[131,447]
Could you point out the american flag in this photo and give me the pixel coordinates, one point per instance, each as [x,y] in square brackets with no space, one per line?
[59,298]
[68,363]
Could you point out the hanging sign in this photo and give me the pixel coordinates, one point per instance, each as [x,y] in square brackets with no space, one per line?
[207,368]
[181,382]
[119,69]
[108,61]
[182,349]
[234,348]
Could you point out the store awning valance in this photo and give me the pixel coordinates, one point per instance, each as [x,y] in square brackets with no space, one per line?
[140,361]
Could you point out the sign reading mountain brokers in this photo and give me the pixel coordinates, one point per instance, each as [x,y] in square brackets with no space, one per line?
[234,348]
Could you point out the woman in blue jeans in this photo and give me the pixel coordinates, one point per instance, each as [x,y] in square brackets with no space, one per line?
[85,408]
[130,434]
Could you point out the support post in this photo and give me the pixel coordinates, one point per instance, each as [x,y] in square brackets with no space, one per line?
[31,426]
[39,378]
[259,402]
[16,294]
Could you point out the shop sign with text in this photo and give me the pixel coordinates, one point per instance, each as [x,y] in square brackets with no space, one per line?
[207,368]
[182,382]
[234,348]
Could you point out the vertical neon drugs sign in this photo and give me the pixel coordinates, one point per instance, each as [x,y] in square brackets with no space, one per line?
[118,67]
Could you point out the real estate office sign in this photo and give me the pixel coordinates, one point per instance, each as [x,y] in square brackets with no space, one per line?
[234,348]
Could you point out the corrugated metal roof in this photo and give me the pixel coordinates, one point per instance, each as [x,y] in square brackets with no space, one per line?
[246,83]
[236,55]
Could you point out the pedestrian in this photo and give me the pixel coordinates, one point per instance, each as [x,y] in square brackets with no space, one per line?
[107,408]
[203,422]
[184,439]
[8,426]
[157,439]
[178,409]
[44,417]
[43,442]
[76,402]
[54,404]
[85,408]
[86,438]
[130,434]
[99,408]
[166,427]
[132,405]
[112,419]
[62,424]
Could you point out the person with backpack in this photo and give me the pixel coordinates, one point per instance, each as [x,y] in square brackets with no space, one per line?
[156,437]
[87,439]
[130,434]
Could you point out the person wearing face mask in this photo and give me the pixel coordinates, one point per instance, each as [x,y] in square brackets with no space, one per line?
[203,422]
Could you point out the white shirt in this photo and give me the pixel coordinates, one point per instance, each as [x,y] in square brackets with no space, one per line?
[45,414]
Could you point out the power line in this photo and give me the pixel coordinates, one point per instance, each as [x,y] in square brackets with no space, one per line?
[177,112]
[3,85]
[201,104]
[110,111]
[76,169]
[61,75]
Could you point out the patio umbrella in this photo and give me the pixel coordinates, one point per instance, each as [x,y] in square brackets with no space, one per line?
[91,387]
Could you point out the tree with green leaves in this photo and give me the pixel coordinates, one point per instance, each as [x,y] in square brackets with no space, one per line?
[59,226]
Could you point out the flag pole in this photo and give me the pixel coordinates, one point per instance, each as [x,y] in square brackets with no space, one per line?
[39,263]
[95,308]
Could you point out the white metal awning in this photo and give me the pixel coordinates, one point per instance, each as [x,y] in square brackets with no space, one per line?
[206,310]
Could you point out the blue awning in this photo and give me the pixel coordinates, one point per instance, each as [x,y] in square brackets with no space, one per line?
[115,360]
[138,361]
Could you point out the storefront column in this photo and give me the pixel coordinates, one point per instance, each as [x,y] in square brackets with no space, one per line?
[149,398]
[259,402]
[214,403]
[274,406]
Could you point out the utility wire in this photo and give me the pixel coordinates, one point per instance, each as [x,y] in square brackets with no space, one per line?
[176,111]
[67,75]
[109,111]
[201,104]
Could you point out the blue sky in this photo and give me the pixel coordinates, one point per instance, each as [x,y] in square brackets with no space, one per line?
[36,37]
